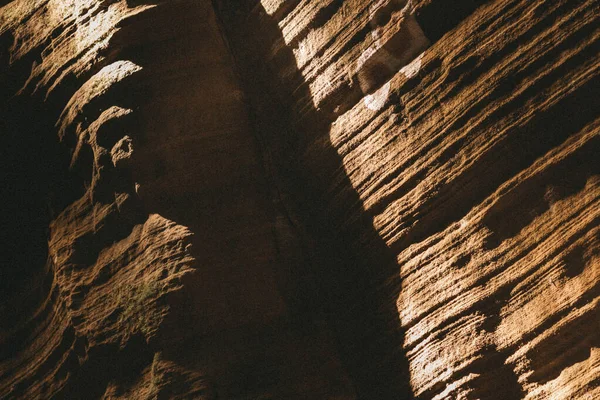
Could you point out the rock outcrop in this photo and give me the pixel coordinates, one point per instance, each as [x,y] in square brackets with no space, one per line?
[338,199]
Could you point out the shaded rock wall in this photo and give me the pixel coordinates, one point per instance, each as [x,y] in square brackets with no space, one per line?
[300,199]
[165,256]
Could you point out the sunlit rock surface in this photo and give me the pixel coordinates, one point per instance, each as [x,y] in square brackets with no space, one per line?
[338,199]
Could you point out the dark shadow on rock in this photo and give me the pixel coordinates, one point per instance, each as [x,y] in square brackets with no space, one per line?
[356,286]
[36,182]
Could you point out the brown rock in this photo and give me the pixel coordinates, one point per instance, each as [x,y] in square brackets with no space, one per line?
[300,200]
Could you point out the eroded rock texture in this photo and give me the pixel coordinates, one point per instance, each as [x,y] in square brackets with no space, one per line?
[300,199]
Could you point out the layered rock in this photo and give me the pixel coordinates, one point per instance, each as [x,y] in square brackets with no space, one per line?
[166,277]
[464,181]
[301,200]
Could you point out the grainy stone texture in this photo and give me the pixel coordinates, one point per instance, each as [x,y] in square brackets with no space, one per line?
[463,182]
[300,199]
[166,264]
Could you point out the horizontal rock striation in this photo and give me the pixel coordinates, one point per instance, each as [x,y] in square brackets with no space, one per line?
[160,269]
[451,151]
[298,199]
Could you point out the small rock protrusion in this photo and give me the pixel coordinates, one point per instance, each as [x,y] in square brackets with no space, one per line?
[121,152]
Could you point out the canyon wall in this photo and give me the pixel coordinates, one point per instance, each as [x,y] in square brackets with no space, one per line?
[337,199]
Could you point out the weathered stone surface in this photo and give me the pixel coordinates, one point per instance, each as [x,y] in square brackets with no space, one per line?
[175,249]
[465,183]
[300,199]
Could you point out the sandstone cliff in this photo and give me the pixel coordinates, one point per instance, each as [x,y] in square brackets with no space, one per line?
[337,199]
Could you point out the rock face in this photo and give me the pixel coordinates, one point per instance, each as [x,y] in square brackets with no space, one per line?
[300,199]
